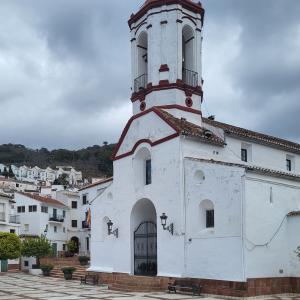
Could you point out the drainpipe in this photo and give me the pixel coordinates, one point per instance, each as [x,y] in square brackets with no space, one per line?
[242,225]
[183,216]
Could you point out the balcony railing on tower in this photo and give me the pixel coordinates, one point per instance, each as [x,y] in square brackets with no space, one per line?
[140,83]
[190,77]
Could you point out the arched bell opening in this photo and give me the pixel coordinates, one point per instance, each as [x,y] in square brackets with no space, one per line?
[189,75]
[142,62]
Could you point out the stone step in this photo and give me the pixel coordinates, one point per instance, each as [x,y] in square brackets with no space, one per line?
[136,288]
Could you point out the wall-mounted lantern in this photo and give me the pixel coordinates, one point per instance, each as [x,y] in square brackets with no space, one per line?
[170,227]
[110,229]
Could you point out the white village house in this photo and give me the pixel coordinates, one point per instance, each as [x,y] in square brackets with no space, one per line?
[192,197]
[40,215]
[9,222]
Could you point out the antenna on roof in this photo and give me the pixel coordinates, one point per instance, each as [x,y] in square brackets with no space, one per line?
[212,117]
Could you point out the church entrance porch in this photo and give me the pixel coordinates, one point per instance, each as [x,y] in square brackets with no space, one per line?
[144,238]
[145,249]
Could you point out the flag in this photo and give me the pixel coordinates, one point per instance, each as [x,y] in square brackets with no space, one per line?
[89,217]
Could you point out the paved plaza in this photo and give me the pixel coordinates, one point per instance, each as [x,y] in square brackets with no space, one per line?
[17,286]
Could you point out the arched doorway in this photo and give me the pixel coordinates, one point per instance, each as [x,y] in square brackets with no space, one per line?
[144,238]
[75,239]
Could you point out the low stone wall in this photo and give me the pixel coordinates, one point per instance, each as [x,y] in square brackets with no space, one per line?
[253,286]
[64,261]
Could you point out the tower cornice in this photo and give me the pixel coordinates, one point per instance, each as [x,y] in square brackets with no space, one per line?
[187,4]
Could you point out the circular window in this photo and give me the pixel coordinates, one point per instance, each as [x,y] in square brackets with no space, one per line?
[143,106]
[199,177]
[189,102]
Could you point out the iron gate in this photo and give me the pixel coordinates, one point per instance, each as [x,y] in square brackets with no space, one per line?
[145,249]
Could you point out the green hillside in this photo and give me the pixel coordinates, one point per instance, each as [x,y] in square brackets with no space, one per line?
[93,161]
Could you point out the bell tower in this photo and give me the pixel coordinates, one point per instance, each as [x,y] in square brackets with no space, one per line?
[166,48]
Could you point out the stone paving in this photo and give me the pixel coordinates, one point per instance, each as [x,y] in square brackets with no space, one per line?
[19,286]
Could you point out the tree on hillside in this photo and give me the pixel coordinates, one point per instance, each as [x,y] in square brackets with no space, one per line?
[298,252]
[10,246]
[61,180]
[10,173]
[38,247]
[5,172]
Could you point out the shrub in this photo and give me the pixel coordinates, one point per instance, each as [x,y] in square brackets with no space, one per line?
[298,251]
[46,269]
[72,247]
[36,247]
[68,269]
[10,246]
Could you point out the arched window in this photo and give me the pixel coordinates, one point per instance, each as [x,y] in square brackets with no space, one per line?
[207,214]
[143,167]
[189,76]
[142,62]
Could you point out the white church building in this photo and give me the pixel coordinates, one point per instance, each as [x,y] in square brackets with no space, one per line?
[192,197]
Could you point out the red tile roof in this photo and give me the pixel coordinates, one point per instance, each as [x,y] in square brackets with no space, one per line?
[187,128]
[253,169]
[43,199]
[294,213]
[96,183]
[255,136]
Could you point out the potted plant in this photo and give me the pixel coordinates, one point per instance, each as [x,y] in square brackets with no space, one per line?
[68,272]
[83,260]
[72,248]
[46,269]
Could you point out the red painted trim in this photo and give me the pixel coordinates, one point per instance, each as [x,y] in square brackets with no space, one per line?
[165,85]
[152,109]
[164,68]
[194,7]
[176,106]
[152,144]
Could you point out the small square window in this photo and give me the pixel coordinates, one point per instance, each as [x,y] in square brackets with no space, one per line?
[74,223]
[12,231]
[210,218]
[26,263]
[55,229]
[74,204]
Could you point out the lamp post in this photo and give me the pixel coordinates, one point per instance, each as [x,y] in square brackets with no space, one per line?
[170,227]
[110,229]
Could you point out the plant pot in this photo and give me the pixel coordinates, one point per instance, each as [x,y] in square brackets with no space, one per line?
[68,275]
[46,272]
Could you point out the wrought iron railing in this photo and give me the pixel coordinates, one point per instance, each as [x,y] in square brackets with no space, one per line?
[140,83]
[15,219]
[56,218]
[2,216]
[85,225]
[190,77]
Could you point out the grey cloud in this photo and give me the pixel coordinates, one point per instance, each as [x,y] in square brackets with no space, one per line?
[65,68]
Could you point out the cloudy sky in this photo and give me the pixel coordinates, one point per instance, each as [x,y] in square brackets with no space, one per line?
[65,68]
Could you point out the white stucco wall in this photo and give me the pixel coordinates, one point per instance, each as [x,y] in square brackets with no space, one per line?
[270,237]
[214,253]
